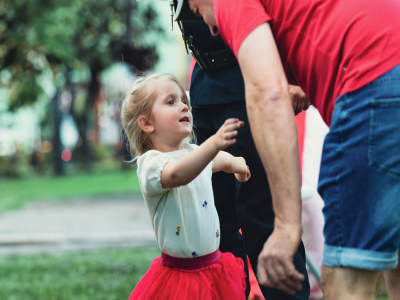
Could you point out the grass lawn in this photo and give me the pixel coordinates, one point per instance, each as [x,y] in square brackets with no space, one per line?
[382,296]
[100,275]
[16,193]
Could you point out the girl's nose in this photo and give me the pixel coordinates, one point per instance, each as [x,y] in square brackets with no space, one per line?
[184,107]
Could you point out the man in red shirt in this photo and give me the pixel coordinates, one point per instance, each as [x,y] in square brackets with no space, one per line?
[345,55]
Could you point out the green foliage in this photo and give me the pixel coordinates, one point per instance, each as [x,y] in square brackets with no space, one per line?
[22,93]
[67,35]
[34,37]
[16,193]
[100,275]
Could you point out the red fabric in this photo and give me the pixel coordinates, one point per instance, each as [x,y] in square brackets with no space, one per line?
[328,47]
[301,124]
[224,280]
[190,264]
[255,291]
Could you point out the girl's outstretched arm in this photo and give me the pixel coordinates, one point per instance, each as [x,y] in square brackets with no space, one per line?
[230,164]
[191,165]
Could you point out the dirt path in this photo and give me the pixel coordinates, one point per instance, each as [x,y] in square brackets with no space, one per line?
[76,224]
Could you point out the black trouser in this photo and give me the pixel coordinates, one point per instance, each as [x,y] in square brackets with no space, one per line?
[244,205]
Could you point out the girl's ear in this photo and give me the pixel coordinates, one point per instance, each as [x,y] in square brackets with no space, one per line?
[145,124]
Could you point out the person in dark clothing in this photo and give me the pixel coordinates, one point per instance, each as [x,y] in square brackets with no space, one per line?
[216,95]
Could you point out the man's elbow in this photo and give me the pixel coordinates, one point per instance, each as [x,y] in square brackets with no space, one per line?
[264,99]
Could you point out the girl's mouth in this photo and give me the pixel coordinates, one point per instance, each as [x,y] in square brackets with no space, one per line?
[184,119]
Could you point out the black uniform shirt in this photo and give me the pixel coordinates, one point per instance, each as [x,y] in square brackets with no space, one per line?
[212,87]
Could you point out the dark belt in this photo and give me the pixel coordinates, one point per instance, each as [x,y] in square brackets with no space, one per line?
[214,60]
[211,60]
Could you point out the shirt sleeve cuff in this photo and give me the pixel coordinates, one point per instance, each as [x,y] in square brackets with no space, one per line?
[248,28]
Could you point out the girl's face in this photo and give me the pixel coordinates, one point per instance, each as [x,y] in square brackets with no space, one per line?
[171,116]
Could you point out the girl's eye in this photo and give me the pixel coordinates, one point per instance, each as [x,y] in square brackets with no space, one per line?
[170,102]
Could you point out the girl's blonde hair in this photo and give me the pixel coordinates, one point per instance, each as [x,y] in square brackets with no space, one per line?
[138,101]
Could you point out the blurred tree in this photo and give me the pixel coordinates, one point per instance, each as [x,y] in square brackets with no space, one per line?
[69,37]
[34,36]
[111,31]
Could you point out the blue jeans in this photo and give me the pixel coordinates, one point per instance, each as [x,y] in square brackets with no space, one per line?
[360,177]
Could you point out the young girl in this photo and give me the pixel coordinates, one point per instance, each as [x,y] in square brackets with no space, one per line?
[175,179]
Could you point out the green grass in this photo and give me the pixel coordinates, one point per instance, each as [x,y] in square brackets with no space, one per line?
[16,193]
[382,296]
[100,275]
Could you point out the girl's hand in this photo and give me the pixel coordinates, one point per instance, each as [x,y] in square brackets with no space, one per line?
[243,177]
[224,136]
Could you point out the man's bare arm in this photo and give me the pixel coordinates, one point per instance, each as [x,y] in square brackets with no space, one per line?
[273,127]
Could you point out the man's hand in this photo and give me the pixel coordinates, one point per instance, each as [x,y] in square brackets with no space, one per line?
[299,99]
[225,135]
[275,262]
[270,113]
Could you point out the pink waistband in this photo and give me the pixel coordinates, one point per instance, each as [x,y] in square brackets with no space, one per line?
[190,264]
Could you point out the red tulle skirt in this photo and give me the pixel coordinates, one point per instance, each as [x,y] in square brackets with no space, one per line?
[223,280]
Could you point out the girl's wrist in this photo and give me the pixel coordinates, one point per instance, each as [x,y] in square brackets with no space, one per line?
[241,165]
[213,142]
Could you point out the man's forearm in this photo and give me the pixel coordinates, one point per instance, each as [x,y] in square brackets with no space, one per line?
[272,122]
[273,127]
[274,131]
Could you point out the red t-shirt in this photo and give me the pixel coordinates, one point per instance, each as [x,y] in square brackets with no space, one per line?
[328,47]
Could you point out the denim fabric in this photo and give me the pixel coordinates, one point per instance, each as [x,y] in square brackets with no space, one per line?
[360,177]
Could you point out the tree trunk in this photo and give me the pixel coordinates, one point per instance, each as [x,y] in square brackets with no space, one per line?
[59,169]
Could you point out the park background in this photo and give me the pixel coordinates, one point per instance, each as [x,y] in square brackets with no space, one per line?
[73,224]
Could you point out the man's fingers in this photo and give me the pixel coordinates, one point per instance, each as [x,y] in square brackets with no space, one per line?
[280,272]
[297,109]
[274,272]
[285,288]
[306,104]
[262,274]
[269,276]
[291,284]
[291,271]
[279,278]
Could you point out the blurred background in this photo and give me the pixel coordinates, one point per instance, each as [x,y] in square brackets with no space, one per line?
[72,221]
[73,224]
[63,67]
